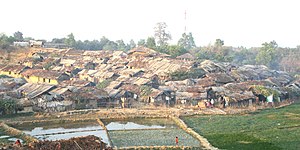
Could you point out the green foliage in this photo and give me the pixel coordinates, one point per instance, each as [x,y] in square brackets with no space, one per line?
[161,34]
[18,36]
[159,137]
[141,42]
[266,129]
[132,44]
[9,106]
[219,43]
[245,56]
[111,45]
[267,55]
[259,89]
[145,90]
[182,75]
[70,40]
[175,50]
[151,43]
[187,41]
[121,45]
[103,84]
[5,41]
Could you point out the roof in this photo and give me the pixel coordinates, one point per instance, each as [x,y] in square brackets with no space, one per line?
[67,61]
[91,93]
[42,73]
[131,88]
[74,52]
[114,85]
[59,90]
[220,77]
[186,56]
[210,66]
[80,83]
[14,68]
[155,93]
[33,90]
[144,50]
[139,81]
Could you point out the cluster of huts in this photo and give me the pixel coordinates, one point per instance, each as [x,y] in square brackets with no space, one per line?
[66,79]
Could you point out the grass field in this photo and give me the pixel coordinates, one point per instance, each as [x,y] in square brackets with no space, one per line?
[162,137]
[266,129]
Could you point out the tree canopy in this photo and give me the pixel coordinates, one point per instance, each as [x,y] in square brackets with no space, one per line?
[267,54]
[161,34]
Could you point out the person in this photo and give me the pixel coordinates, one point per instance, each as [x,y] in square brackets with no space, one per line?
[18,143]
[212,102]
[58,146]
[223,102]
[176,140]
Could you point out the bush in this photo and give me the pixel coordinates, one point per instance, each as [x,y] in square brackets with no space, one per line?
[9,106]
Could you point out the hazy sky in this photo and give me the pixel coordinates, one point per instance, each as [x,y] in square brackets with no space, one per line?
[237,22]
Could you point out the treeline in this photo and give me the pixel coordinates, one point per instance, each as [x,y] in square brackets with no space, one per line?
[7,41]
[269,54]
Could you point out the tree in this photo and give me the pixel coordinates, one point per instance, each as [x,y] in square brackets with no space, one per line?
[187,41]
[132,44]
[161,35]
[175,50]
[18,36]
[103,42]
[57,40]
[4,41]
[9,106]
[219,43]
[141,42]
[70,40]
[27,39]
[121,45]
[151,43]
[267,55]
[110,45]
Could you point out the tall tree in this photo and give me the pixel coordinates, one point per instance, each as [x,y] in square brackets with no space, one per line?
[187,41]
[70,40]
[103,42]
[18,36]
[141,42]
[161,34]
[110,45]
[4,41]
[121,45]
[132,44]
[267,54]
[151,43]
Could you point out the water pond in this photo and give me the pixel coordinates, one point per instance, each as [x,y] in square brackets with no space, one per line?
[122,133]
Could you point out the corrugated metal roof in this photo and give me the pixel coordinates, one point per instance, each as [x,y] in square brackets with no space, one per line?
[33,90]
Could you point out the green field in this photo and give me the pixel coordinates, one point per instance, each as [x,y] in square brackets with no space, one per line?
[266,129]
[162,137]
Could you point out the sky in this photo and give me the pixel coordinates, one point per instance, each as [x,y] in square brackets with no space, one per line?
[246,23]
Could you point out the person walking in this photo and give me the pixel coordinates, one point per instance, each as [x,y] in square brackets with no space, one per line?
[176,141]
